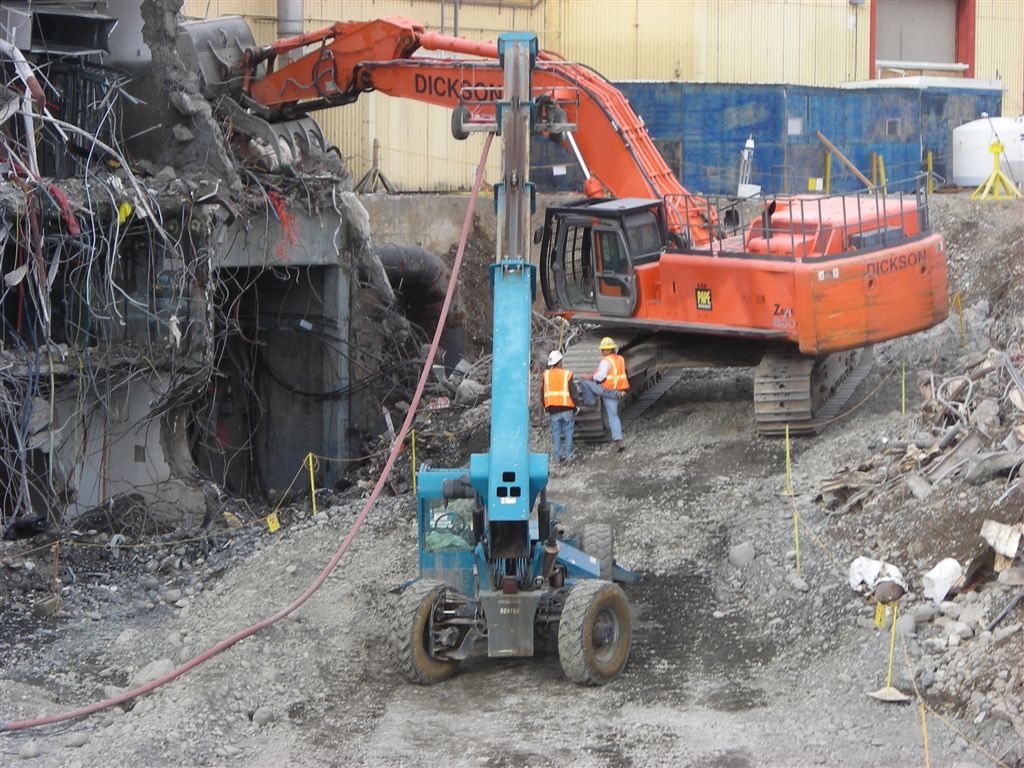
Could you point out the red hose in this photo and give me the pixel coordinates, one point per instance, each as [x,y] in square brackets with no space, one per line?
[65,208]
[360,519]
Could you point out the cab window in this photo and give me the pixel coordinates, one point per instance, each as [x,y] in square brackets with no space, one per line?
[450,526]
[644,235]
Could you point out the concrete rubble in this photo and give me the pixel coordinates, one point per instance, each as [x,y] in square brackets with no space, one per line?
[164,281]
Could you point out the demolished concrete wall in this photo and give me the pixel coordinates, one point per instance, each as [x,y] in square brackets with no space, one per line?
[183,313]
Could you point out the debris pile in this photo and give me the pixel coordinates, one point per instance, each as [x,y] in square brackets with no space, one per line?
[945,502]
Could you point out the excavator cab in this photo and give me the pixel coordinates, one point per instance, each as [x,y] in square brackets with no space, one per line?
[590,252]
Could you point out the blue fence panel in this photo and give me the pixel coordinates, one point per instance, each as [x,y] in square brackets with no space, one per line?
[942,110]
[701,129]
[719,120]
[660,104]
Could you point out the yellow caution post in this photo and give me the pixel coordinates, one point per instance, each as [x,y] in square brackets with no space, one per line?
[997,183]
[888,693]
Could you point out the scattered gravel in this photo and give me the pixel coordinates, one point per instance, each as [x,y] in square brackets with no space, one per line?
[750,646]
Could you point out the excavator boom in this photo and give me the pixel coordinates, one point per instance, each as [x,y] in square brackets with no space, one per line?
[806,285]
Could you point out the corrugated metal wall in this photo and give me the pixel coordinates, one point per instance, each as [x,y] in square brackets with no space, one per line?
[751,41]
[813,42]
[783,41]
[999,48]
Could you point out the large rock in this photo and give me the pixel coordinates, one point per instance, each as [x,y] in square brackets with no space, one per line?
[742,555]
[470,392]
[152,671]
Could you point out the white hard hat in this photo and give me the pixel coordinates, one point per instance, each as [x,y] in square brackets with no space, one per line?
[554,358]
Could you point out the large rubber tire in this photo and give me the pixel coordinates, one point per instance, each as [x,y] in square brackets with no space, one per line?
[460,116]
[407,641]
[598,542]
[594,633]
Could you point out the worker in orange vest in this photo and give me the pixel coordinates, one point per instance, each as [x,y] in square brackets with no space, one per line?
[557,394]
[610,384]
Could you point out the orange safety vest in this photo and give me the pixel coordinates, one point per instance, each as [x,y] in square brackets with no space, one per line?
[616,378]
[556,388]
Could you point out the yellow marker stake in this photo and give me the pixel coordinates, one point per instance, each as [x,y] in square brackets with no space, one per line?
[888,693]
[924,733]
[903,390]
[789,490]
[789,477]
[959,304]
[312,483]
[879,614]
[892,644]
[412,439]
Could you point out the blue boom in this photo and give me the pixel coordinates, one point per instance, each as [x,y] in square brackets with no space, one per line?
[495,564]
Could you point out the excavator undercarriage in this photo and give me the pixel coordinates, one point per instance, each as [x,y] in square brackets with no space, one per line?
[792,392]
[805,394]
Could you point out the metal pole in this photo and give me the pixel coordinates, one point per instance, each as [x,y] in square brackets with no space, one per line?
[290,23]
[844,159]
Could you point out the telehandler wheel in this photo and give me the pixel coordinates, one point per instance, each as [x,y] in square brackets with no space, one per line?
[595,632]
[408,640]
[597,542]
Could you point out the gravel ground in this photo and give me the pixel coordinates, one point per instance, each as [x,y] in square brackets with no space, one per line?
[739,658]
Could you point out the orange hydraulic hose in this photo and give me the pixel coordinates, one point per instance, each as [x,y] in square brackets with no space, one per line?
[360,519]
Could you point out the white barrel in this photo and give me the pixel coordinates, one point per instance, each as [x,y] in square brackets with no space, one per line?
[972,158]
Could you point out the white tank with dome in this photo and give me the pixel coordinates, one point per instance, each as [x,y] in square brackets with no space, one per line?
[972,158]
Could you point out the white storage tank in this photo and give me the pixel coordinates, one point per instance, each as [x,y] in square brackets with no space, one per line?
[972,160]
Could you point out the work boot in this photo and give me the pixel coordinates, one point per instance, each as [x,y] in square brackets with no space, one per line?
[619,446]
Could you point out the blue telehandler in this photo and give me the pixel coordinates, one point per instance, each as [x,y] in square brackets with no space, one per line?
[495,564]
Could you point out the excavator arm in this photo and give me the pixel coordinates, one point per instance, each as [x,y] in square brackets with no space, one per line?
[611,143]
[805,287]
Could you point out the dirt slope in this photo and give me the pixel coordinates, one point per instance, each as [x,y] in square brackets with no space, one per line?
[738,660]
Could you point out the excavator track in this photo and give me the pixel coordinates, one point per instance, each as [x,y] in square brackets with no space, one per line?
[790,389]
[661,381]
[805,393]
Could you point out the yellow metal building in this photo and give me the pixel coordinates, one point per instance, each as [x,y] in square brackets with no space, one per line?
[805,42]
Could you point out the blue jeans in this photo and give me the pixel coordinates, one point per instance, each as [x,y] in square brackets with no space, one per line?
[562,425]
[592,390]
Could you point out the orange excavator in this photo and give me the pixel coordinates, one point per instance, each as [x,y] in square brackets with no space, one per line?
[801,292]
